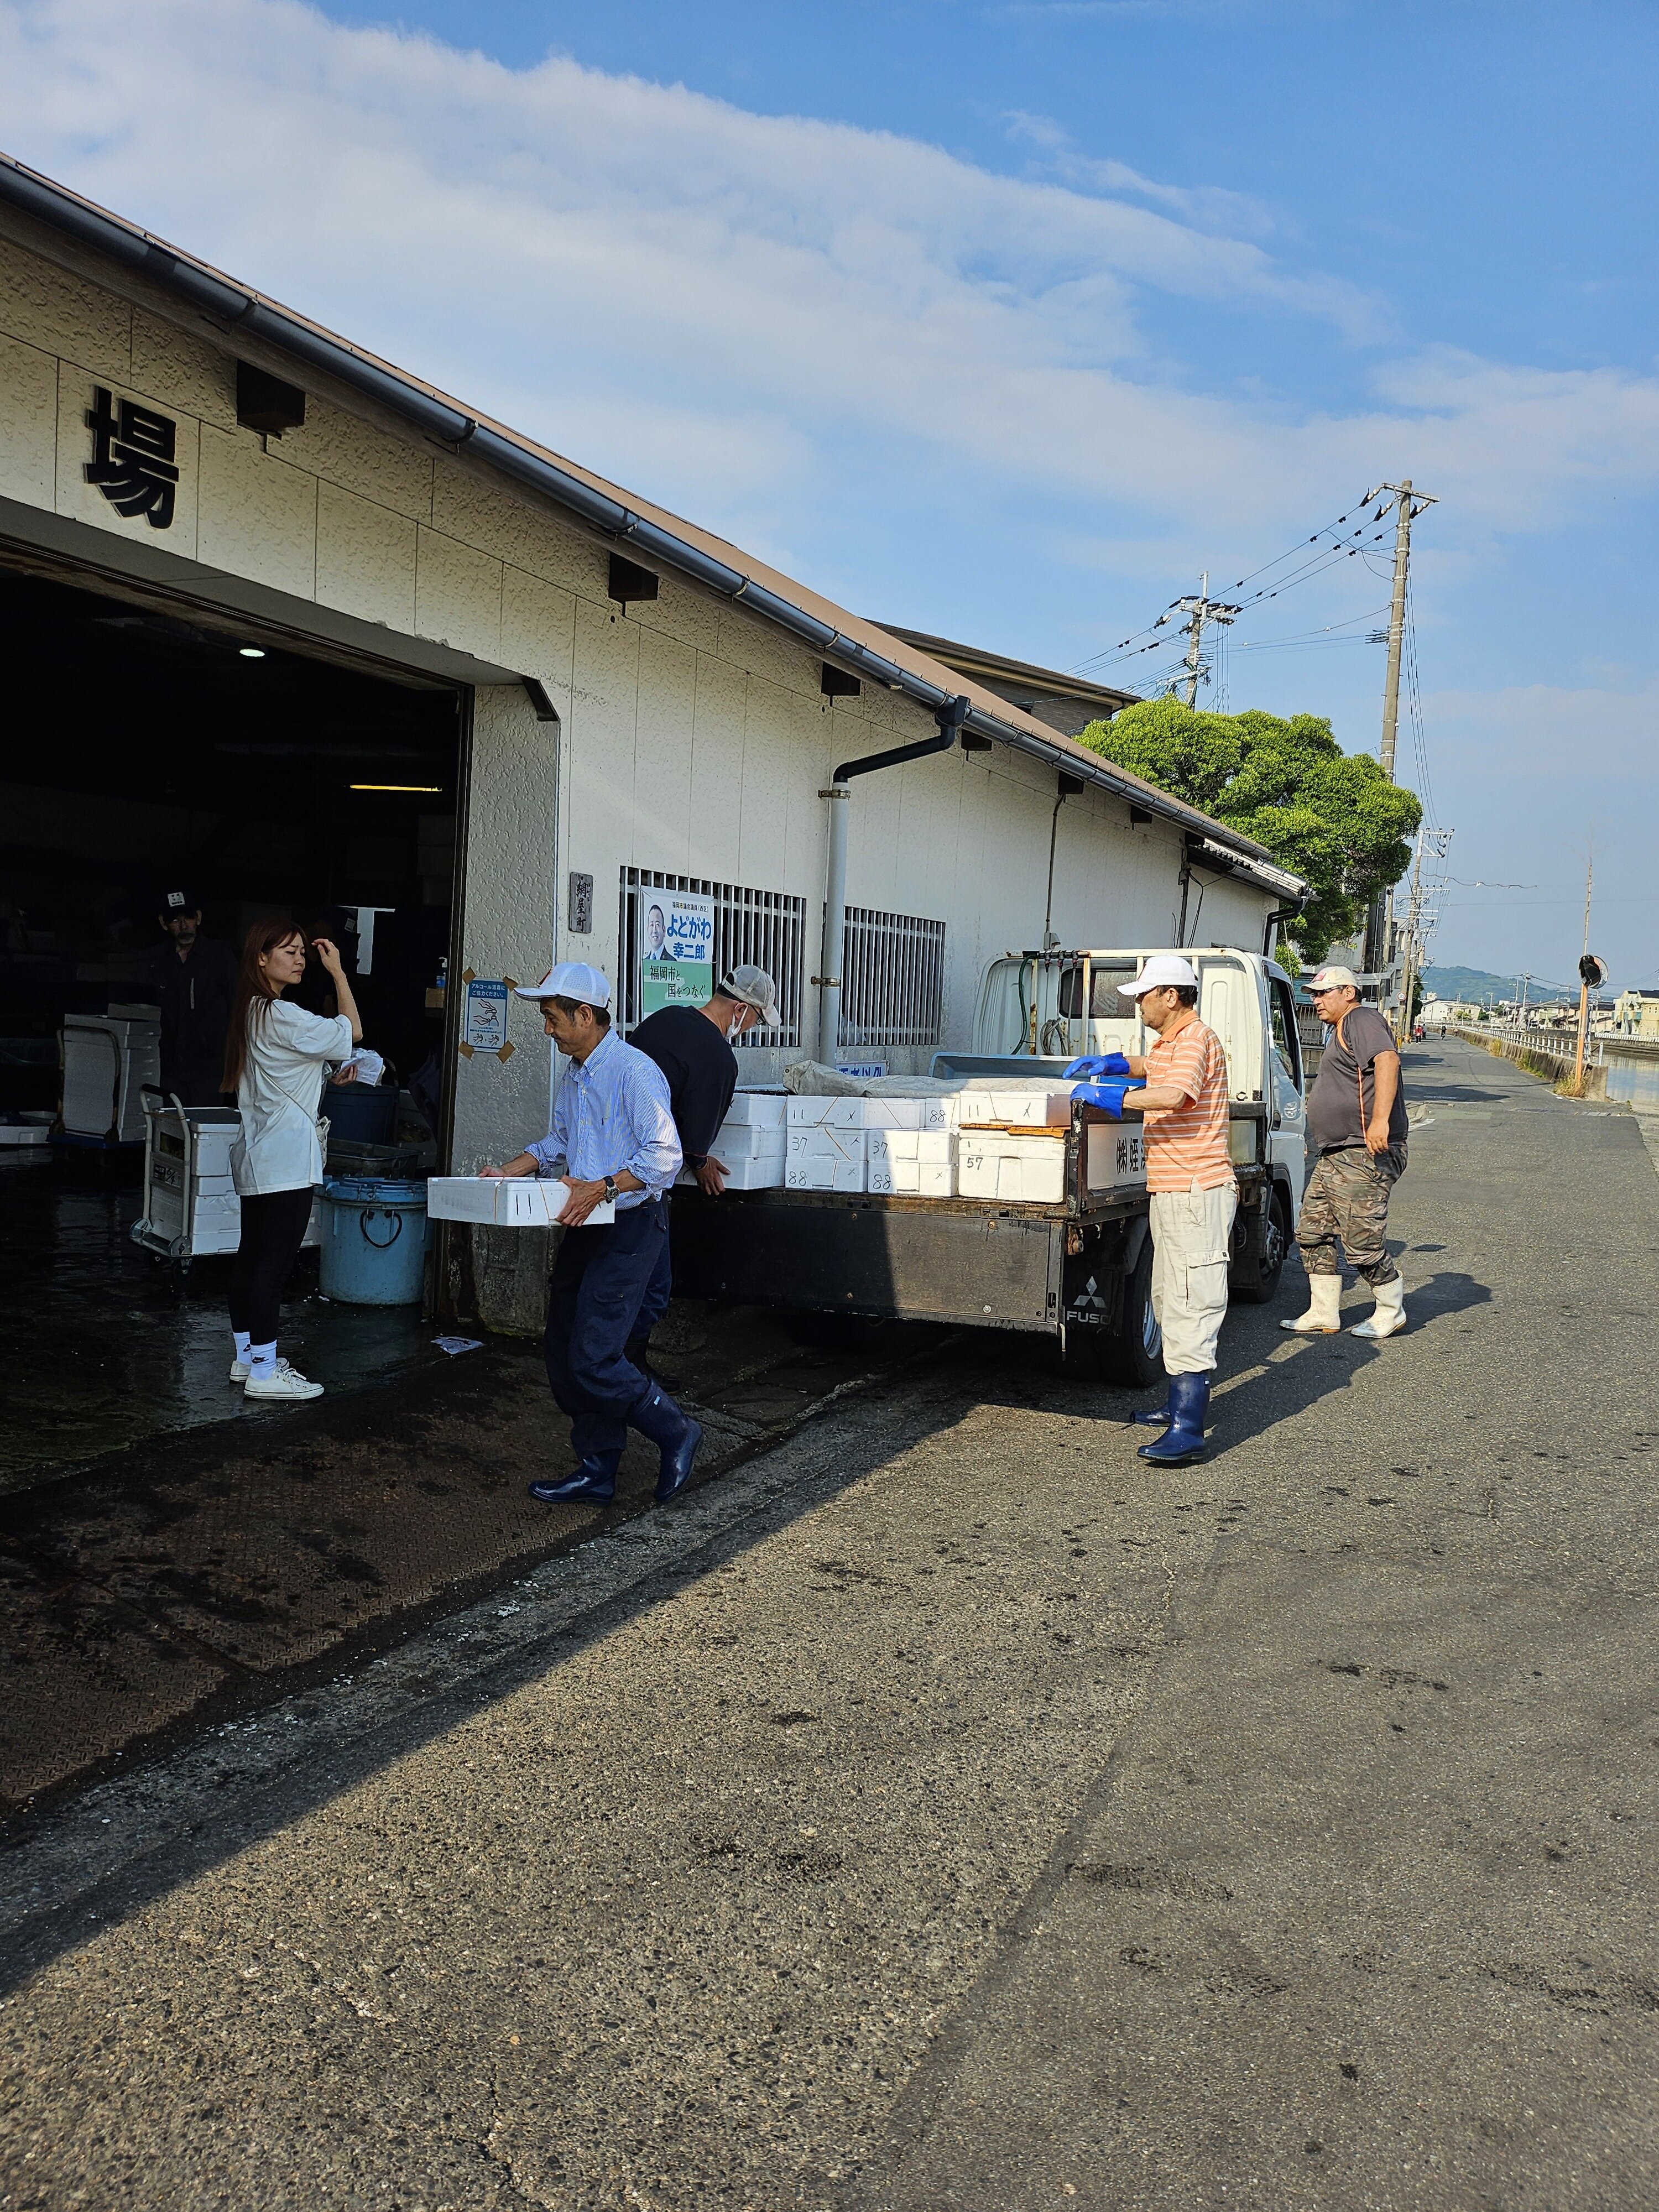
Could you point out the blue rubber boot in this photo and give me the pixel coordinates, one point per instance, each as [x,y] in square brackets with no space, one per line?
[1189,1400]
[593,1481]
[675,1436]
[1155,1417]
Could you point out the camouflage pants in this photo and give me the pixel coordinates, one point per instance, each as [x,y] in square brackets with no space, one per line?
[1347,1199]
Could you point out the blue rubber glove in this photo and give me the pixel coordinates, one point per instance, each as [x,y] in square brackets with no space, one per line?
[1108,1096]
[1108,1063]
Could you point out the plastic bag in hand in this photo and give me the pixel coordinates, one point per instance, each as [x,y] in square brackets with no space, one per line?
[1108,1096]
[1107,1063]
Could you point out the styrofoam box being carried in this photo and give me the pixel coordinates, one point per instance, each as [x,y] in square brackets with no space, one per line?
[1027,1170]
[505,1202]
[756,1109]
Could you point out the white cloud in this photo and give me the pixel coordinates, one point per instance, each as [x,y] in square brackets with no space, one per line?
[711,305]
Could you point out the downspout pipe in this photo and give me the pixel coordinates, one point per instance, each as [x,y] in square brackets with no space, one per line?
[951,716]
[1279,913]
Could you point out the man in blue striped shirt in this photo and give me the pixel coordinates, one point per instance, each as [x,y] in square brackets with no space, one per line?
[613,1138]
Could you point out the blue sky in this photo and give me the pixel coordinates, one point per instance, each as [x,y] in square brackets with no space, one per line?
[1004,320]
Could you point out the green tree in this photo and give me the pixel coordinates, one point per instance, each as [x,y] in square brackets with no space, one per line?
[1330,816]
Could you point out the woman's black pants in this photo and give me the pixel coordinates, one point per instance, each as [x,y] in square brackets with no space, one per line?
[272,1230]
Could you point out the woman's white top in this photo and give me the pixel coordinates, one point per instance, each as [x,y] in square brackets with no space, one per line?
[279,1094]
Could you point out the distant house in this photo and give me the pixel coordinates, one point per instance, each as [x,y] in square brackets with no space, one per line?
[1636,1013]
[1065,703]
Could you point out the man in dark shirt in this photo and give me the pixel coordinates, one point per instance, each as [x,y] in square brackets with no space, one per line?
[692,1047]
[1356,1117]
[194,979]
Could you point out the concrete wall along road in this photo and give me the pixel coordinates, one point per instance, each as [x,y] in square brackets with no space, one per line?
[693,737]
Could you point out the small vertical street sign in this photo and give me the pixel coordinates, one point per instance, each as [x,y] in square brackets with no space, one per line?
[133,459]
[580,917]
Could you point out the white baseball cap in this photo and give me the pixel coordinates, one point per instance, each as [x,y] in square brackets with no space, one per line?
[570,978]
[753,987]
[1164,972]
[1334,979]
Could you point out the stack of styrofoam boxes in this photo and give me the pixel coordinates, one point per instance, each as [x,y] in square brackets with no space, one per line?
[1005,1163]
[822,1154]
[909,1145]
[751,1141]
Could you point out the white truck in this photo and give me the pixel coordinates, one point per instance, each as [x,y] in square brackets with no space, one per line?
[1078,1271]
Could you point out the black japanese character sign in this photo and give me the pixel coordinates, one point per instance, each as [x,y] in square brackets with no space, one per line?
[132,462]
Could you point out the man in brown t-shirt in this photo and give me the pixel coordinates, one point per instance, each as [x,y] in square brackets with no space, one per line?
[1356,1117]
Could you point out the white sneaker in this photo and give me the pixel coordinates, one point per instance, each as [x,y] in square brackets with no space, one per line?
[280,1381]
[240,1371]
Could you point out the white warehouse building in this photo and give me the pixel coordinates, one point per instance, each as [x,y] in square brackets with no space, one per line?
[290,624]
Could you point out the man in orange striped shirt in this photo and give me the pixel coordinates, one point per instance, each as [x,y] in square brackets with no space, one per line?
[1193,1191]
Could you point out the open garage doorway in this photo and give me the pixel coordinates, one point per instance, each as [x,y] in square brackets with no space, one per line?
[155,751]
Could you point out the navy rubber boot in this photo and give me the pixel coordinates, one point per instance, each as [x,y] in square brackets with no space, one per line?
[594,1480]
[1189,1400]
[1153,1417]
[675,1436]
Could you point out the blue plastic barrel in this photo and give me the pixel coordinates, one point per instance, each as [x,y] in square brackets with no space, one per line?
[374,1237]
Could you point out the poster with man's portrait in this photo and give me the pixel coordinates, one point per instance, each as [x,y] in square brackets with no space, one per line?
[677,949]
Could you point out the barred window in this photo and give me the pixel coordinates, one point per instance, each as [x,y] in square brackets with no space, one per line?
[892,973]
[762,929]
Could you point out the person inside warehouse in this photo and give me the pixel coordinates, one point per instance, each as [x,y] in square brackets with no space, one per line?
[275,1061]
[692,1045]
[193,978]
[613,1140]
[1183,1097]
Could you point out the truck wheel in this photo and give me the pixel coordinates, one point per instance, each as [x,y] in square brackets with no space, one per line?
[1263,1261]
[1133,1356]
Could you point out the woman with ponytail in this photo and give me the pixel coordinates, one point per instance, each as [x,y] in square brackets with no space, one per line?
[276,1057]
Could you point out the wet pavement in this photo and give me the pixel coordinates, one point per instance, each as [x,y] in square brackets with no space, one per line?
[942,1810]
[105,1347]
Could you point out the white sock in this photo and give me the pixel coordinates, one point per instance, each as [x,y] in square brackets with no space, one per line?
[262,1358]
[240,1338]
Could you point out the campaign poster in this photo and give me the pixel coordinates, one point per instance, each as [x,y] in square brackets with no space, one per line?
[677,949]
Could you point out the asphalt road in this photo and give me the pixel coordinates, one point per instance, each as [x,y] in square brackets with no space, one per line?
[943,1811]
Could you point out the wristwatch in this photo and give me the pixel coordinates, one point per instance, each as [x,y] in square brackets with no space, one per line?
[611,1190]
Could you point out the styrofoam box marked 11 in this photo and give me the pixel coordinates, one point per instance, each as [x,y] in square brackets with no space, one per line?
[505,1202]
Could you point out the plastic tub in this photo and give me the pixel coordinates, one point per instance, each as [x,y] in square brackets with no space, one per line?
[374,1248]
[362,1114]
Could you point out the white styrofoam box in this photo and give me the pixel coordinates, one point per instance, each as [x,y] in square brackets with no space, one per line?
[740,1141]
[806,1113]
[924,1178]
[937,1148]
[809,1171]
[1029,1170]
[1028,1102]
[765,1174]
[879,1177]
[838,1146]
[847,1175]
[1114,1153]
[504,1202]
[107,1064]
[757,1109]
[876,1112]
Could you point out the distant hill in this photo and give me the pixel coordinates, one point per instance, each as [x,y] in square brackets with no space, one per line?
[1478,987]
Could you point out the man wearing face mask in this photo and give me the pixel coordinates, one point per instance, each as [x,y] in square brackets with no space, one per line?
[194,978]
[692,1045]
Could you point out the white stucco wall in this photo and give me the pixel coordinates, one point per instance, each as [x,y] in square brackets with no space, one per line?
[693,736]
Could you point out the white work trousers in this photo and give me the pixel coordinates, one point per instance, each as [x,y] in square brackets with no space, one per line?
[1192,1236]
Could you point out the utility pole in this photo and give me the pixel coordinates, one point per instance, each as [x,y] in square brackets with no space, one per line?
[1439,841]
[1586,968]
[1409,504]
[1199,611]
[1526,987]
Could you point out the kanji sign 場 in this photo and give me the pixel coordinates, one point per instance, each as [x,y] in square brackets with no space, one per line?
[132,458]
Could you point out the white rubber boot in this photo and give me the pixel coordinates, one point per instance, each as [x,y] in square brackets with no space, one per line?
[1321,1318]
[1388,1315]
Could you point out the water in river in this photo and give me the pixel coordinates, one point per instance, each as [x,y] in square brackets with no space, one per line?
[1636,1082]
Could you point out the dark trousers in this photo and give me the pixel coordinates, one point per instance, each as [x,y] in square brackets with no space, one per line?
[599,1281]
[655,1304]
[272,1230]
